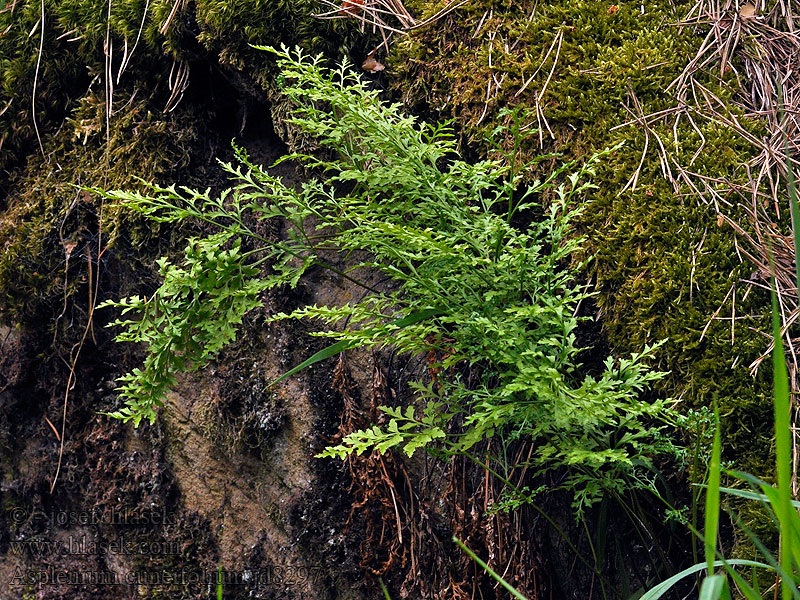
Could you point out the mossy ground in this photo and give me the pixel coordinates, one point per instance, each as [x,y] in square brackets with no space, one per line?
[57,239]
[83,96]
[52,229]
[51,51]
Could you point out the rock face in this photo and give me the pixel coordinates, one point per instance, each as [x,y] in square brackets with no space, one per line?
[225,479]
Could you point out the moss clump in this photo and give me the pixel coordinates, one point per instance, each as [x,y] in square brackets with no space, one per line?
[228,27]
[663,266]
[51,51]
[51,229]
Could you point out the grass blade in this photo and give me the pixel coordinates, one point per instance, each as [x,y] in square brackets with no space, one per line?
[745,588]
[488,569]
[326,352]
[751,495]
[782,506]
[338,347]
[765,552]
[787,518]
[662,588]
[712,498]
[383,589]
[713,588]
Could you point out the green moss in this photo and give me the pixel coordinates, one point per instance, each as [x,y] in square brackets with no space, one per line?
[70,58]
[662,265]
[228,27]
[41,210]
[149,37]
[46,214]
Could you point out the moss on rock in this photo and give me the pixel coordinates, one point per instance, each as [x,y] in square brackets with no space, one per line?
[51,228]
[52,50]
[61,63]
[662,265]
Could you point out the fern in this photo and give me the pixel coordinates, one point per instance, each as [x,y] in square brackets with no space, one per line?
[494,298]
[186,322]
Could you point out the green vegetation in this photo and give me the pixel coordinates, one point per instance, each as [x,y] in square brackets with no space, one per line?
[52,50]
[661,265]
[776,500]
[469,257]
[51,231]
[491,301]
[91,93]
[188,320]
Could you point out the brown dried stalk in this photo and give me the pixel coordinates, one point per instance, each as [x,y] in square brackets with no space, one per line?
[384,16]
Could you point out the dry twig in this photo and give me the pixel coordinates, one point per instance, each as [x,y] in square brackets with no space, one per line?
[382,16]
